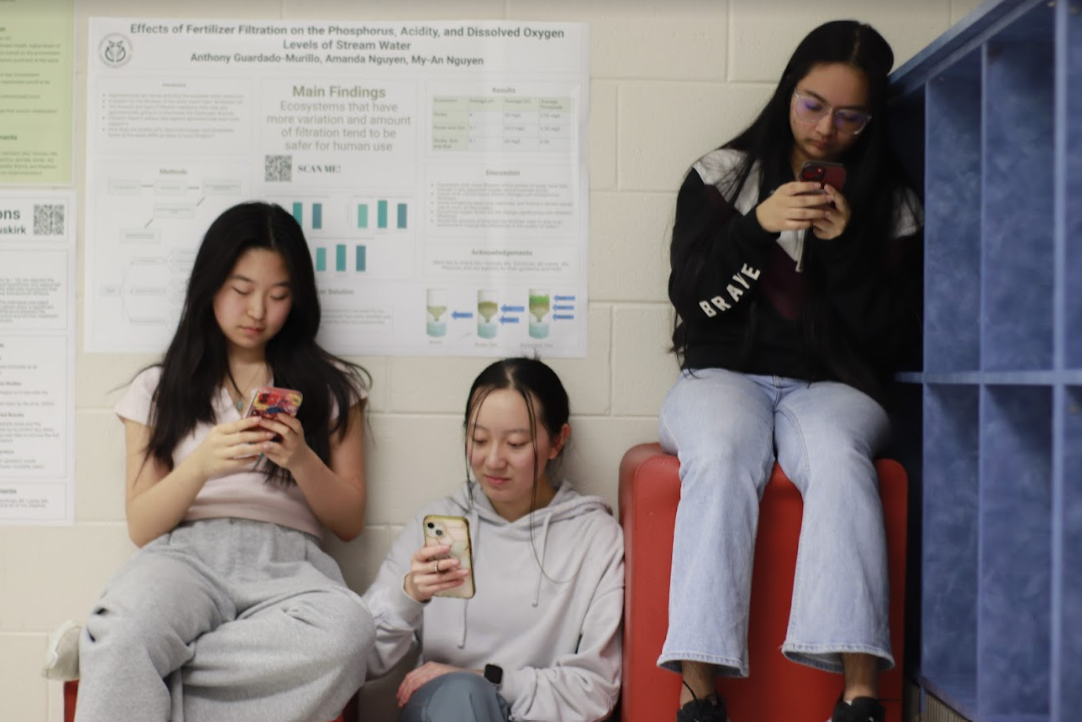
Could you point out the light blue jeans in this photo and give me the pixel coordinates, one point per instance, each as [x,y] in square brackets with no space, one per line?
[727,429]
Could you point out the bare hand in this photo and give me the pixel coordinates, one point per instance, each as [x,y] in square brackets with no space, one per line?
[837,216]
[432,570]
[793,206]
[291,445]
[418,677]
[230,446]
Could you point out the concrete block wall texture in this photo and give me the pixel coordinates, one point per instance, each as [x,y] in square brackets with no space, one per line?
[670,79]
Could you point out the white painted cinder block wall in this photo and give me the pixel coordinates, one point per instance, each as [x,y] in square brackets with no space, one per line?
[671,79]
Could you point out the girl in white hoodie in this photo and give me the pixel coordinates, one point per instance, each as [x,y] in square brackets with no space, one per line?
[540,639]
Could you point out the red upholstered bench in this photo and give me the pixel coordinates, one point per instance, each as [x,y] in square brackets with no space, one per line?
[71,691]
[777,690]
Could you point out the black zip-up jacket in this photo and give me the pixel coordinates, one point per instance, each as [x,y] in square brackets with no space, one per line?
[848,315]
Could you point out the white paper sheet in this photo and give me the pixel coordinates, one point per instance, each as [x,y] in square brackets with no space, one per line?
[37,357]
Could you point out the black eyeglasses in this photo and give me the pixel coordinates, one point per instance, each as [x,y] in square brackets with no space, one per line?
[812,110]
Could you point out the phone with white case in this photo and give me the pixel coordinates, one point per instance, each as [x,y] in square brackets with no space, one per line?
[441,529]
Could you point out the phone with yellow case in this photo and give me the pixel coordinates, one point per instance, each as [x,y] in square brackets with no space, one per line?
[440,529]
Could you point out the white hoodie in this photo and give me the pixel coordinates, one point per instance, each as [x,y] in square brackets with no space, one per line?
[553,626]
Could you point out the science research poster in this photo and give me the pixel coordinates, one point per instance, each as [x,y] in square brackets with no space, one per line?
[438,169]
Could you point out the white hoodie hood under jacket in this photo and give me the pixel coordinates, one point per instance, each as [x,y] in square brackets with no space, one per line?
[547,609]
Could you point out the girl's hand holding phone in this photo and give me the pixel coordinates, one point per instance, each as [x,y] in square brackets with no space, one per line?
[285,444]
[276,408]
[432,572]
[230,446]
[836,216]
[794,206]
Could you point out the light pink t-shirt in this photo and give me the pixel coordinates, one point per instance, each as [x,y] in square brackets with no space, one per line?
[242,494]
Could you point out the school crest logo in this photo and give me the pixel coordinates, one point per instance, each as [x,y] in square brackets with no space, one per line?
[115,50]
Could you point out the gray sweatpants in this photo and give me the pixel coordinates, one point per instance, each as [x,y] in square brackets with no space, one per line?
[224,620]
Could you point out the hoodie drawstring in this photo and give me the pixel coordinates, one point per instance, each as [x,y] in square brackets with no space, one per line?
[469,508]
[475,540]
[541,564]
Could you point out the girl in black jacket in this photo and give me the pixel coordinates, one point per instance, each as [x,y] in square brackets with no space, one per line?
[795,301]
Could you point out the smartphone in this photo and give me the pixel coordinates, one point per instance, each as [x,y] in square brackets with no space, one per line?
[269,401]
[825,172]
[440,529]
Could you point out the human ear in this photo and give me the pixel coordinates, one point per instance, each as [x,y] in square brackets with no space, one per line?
[559,441]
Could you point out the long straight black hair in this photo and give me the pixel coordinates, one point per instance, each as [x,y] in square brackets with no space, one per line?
[196,364]
[873,186]
[769,139]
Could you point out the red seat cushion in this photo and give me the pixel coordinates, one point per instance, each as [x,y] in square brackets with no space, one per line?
[777,690]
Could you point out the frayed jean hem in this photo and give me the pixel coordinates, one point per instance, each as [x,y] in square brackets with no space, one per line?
[724,666]
[828,657]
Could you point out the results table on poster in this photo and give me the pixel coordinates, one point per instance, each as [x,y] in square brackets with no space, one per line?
[494,123]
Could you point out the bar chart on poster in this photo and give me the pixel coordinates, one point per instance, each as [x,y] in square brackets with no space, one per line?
[420,162]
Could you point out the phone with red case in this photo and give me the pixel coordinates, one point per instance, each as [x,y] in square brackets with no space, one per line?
[824,172]
[269,401]
[440,529]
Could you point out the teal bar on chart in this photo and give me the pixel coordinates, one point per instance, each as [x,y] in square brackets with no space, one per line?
[298,212]
[362,215]
[317,216]
[401,215]
[381,218]
[321,259]
[360,258]
[340,257]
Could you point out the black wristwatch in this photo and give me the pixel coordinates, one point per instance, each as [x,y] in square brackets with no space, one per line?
[494,674]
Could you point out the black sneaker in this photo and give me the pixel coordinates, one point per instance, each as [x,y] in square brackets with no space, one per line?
[861,709]
[708,709]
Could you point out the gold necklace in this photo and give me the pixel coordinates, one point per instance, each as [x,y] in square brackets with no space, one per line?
[242,394]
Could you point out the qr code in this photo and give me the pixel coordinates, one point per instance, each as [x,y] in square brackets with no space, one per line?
[48,220]
[278,168]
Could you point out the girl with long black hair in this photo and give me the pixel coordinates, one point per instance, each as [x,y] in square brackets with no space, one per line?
[794,300]
[230,609]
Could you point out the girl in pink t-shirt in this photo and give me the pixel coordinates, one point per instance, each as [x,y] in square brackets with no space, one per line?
[230,602]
